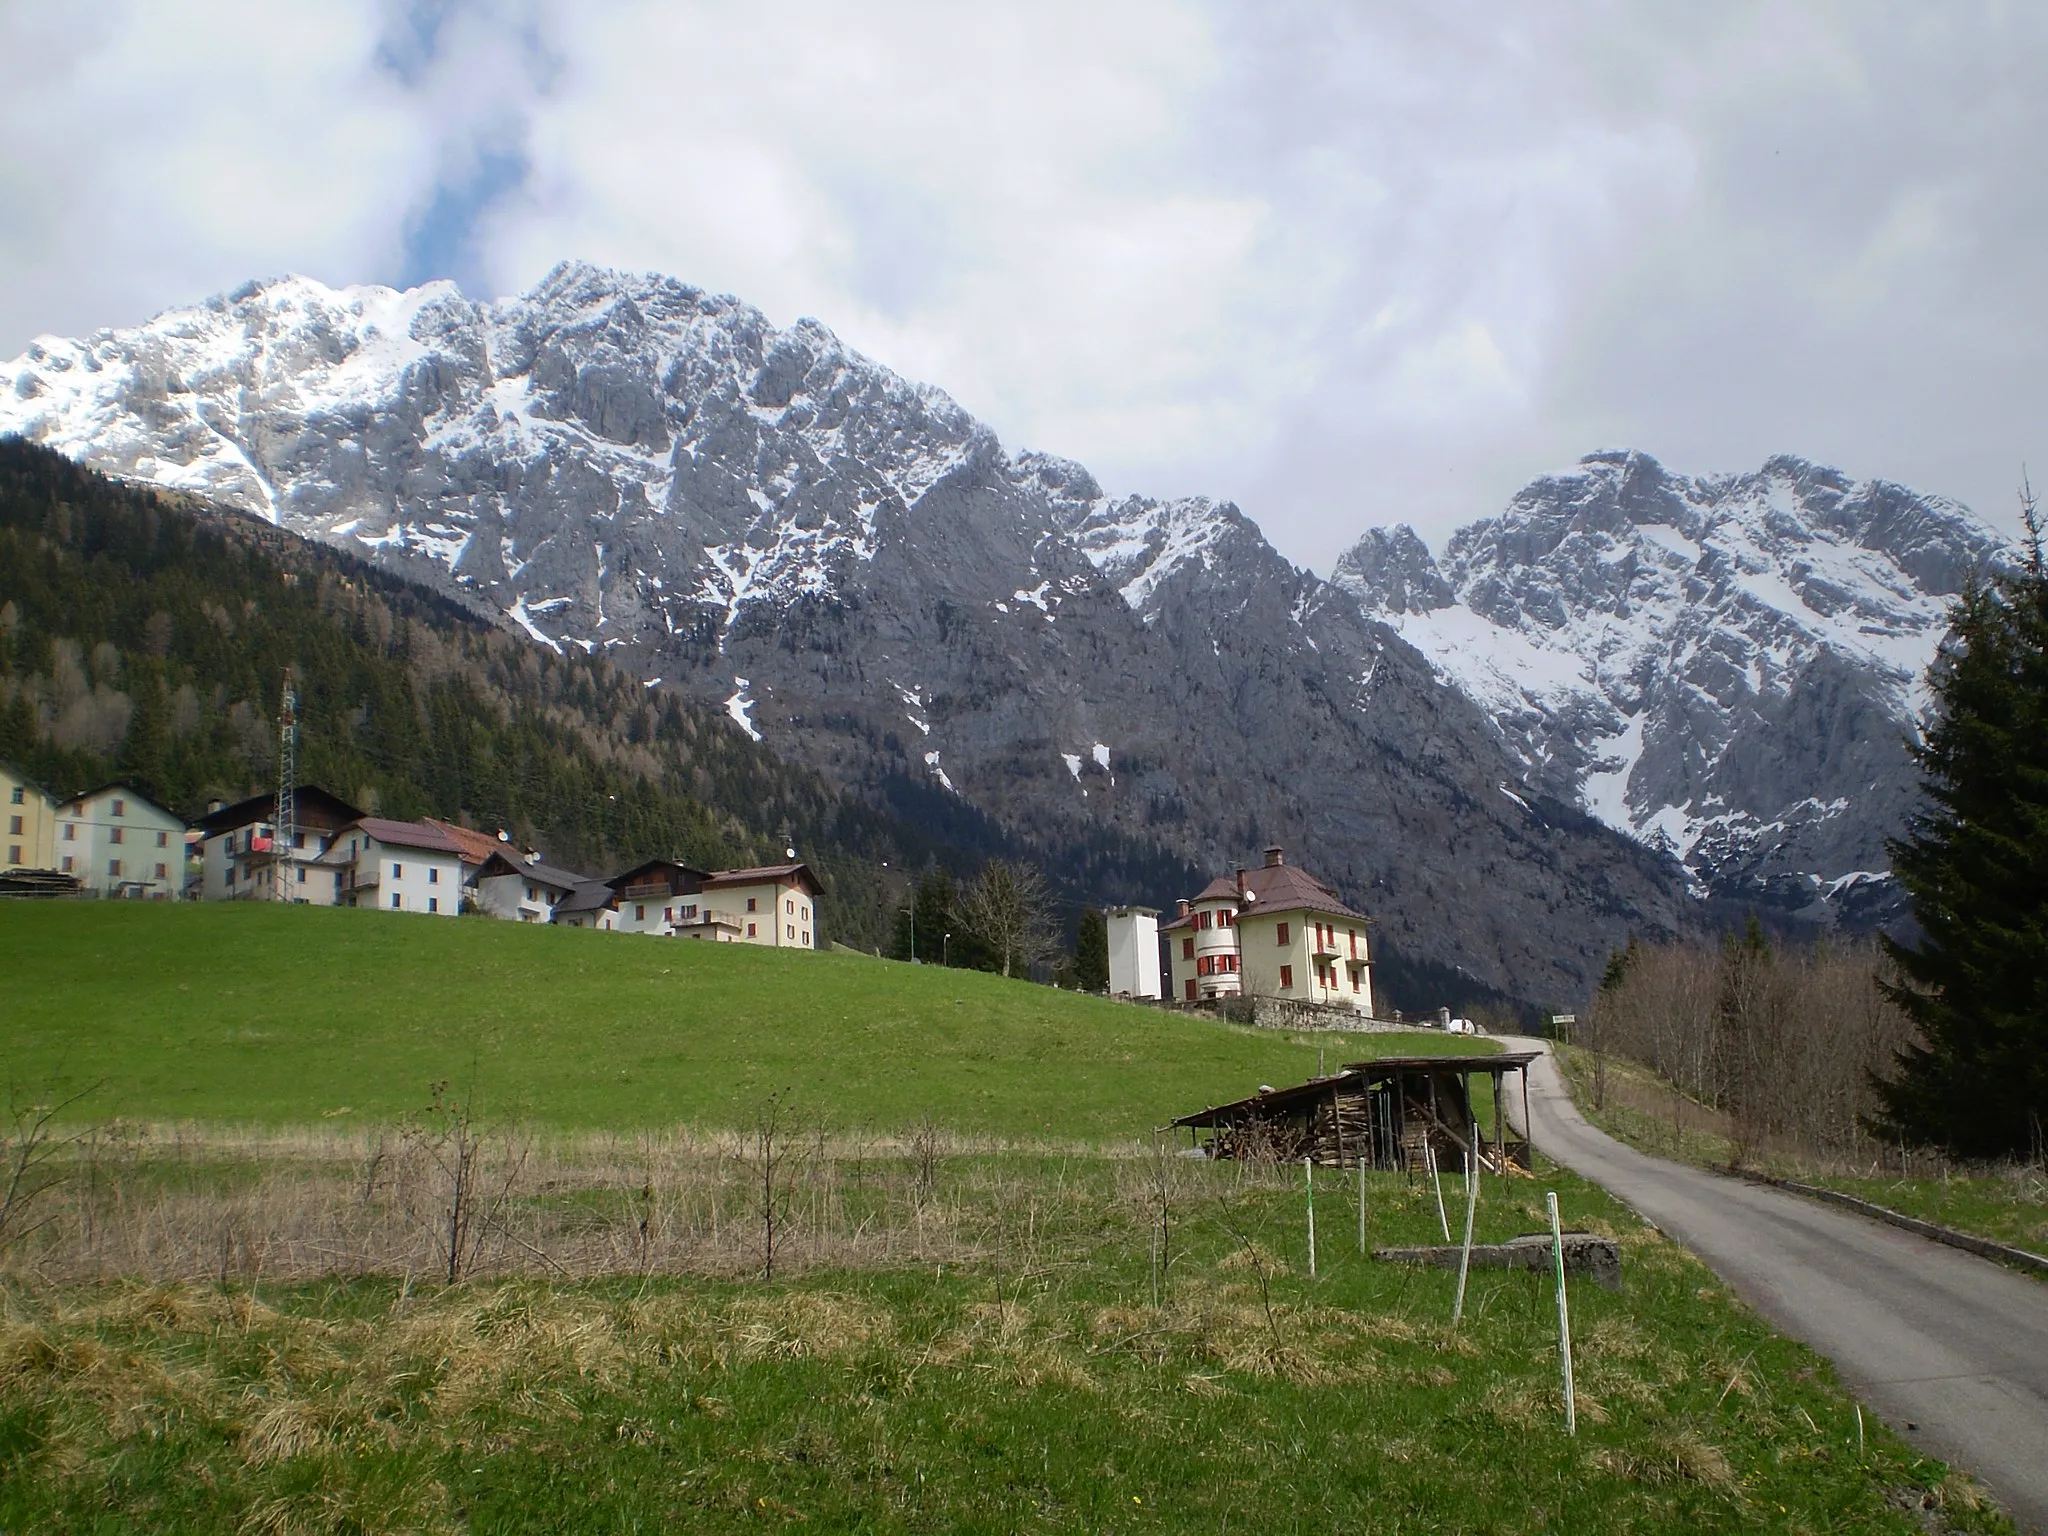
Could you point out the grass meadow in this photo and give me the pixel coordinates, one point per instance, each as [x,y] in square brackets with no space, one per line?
[725,1240]
[252,1013]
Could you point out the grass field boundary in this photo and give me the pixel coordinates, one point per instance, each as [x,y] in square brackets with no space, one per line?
[1983,1247]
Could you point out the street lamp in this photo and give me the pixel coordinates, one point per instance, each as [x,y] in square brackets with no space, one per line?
[945,945]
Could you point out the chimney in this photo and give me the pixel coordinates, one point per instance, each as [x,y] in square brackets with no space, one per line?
[1275,857]
[1183,907]
[1240,886]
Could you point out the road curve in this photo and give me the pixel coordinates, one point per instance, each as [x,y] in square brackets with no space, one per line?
[1951,1349]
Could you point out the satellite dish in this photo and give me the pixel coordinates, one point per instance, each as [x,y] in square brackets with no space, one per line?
[790,852]
[1250,897]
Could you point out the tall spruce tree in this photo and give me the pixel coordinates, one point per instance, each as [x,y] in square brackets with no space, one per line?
[1091,951]
[1976,867]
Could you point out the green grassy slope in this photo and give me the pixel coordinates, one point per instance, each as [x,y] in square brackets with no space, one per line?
[240,1012]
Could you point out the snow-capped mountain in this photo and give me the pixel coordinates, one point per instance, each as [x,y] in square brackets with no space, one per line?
[860,573]
[1729,667]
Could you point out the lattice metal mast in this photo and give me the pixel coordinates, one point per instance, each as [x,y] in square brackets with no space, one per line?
[284,828]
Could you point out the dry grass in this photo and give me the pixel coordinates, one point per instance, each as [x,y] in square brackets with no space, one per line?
[240,1207]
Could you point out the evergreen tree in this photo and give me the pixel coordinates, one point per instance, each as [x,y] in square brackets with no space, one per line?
[1976,982]
[1091,952]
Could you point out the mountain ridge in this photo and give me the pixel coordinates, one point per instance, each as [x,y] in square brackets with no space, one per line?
[856,570]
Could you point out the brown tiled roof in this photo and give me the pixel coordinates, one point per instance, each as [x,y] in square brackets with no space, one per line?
[474,846]
[1178,922]
[766,874]
[407,834]
[1276,888]
[1283,888]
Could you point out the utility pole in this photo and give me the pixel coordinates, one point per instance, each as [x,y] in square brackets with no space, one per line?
[284,825]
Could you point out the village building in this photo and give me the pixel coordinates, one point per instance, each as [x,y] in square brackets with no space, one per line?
[397,866]
[593,904]
[239,856]
[31,841]
[1274,931]
[523,890]
[116,841]
[1132,934]
[770,904]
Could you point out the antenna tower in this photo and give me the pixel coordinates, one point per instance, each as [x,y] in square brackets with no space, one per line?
[284,828]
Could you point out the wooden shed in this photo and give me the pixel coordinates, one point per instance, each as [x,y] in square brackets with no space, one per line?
[1390,1114]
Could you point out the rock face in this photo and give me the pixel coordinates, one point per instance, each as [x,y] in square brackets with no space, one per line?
[1730,668]
[1135,691]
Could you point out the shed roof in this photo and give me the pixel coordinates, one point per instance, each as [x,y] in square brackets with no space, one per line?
[590,896]
[1359,1073]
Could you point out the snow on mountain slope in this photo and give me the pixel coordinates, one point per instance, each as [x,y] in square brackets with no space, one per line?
[1730,667]
[423,424]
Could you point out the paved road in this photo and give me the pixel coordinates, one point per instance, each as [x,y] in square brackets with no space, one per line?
[1951,1349]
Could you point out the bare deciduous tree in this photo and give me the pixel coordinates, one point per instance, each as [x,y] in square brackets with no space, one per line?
[1008,907]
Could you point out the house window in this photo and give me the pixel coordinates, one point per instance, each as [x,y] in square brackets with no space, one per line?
[163,873]
[433,903]
[397,871]
[639,914]
[14,826]
[1191,989]
[805,914]
[1187,949]
[530,895]
[1354,981]
[433,875]
[67,864]
[114,836]
[753,930]
[70,831]
[1281,930]
[1287,977]
[1354,943]
[789,929]
[163,840]
[690,913]
[1203,966]
[807,935]
[120,807]
[751,907]
[789,908]
[298,839]
[16,798]
[114,868]
[302,874]
[397,901]
[14,853]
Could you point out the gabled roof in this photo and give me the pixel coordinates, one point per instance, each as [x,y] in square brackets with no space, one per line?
[766,874]
[502,862]
[474,846]
[404,834]
[683,880]
[317,807]
[129,791]
[28,783]
[590,896]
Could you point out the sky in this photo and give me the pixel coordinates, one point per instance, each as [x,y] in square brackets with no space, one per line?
[1347,264]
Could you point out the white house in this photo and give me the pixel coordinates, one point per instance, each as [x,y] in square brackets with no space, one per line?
[1273,931]
[521,891]
[239,856]
[770,904]
[119,842]
[397,866]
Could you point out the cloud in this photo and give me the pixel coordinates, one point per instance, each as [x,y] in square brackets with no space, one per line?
[1346,263]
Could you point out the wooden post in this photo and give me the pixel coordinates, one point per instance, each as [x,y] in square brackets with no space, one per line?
[1500,1141]
[1564,1318]
[1528,1126]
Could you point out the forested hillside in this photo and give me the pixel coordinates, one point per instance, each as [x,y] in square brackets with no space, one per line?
[146,636]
